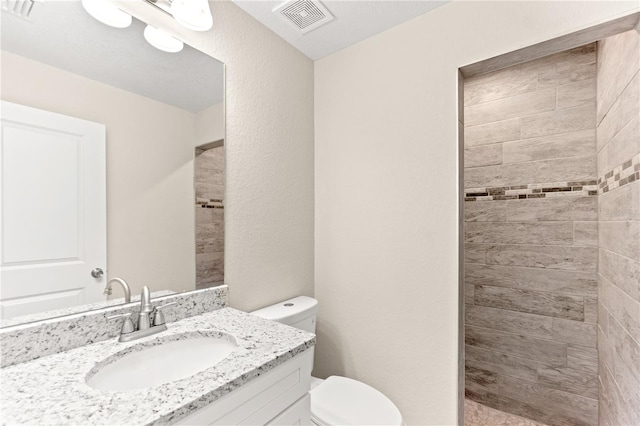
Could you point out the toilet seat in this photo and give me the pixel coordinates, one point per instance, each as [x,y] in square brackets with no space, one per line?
[343,401]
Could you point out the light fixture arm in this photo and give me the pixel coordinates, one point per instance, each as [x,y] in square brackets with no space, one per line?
[191,14]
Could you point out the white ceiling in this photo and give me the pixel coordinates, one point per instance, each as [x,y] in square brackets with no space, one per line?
[63,35]
[355,20]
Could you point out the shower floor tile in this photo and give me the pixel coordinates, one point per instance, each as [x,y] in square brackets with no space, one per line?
[480,415]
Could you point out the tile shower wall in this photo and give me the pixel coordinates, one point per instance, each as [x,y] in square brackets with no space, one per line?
[209,183]
[619,227]
[531,236]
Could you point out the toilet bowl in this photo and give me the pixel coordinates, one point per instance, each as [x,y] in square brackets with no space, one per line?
[336,400]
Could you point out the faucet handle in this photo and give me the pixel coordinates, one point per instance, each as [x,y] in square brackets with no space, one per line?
[127,324]
[158,318]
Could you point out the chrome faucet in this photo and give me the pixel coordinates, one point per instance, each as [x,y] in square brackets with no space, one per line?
[146,310]
[125,287]
[150,319]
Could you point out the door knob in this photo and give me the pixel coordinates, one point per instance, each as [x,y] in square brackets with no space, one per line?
[97,273]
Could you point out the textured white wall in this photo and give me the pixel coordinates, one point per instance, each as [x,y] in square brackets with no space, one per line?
[269,151]
[386,192]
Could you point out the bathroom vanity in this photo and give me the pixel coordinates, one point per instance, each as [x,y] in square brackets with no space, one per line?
[264,379]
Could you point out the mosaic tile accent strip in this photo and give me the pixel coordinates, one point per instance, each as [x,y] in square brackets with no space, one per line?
[532,190]
[624,173]
[209,203]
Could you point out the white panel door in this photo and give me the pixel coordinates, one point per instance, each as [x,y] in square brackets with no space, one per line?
[53,207]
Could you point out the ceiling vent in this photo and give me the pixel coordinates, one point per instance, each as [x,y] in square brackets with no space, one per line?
[304,15]
[25,9]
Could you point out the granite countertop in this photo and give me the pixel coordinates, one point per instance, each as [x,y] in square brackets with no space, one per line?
[52,389]
[23,319]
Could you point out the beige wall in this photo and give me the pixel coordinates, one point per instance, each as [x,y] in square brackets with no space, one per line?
[386,192]
[150,225]
[269,154]
[619,228]
[210,124]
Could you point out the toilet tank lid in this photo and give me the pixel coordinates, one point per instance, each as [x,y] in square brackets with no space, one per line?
[289,311]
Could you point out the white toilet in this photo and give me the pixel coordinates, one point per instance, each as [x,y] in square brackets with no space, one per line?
[336,400]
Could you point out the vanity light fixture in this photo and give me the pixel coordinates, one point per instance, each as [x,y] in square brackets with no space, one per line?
[162,40]
[192,14]
[107,13]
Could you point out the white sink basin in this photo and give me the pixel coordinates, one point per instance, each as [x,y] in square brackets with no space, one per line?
[161,361]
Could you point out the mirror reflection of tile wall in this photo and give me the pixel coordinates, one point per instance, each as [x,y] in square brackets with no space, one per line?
[209,186]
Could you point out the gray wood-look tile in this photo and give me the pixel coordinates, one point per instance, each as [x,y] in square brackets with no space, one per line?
[620,237]
[582,358]
[485,211]
[204,174]
[511,107]
[554,280]
[484,134]
[477,392]
[564,408]
[621,271]
[209,245]
[533,400]
[585,233]
[625,355]
[625,108]
[618,59]
[573,144]
[558,170]
[209,190]
[532,348]
[475,253]
[591,309]
[510,321]
[603,321]
[468,293]
[623,146]
[562,121]
[550,209]
[500,363]
[620,306]
[535,302]
[484,155]
[555,77]
[502,84]
[621,204]
[566,379]
[552,257]
[622,360]
[547,233]
[575,332]
[576,94]
[617,405]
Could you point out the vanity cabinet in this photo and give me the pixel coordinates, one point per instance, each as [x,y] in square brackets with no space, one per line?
[278,397]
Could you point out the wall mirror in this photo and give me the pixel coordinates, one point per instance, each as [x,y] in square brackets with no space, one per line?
[112,160]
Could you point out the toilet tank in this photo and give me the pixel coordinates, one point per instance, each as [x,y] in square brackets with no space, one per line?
[299,312]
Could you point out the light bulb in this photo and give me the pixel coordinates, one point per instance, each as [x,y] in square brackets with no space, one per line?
[107,13]
[192,14]
[162,40]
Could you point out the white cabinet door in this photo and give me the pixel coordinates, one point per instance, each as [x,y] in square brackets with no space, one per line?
[53,208]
